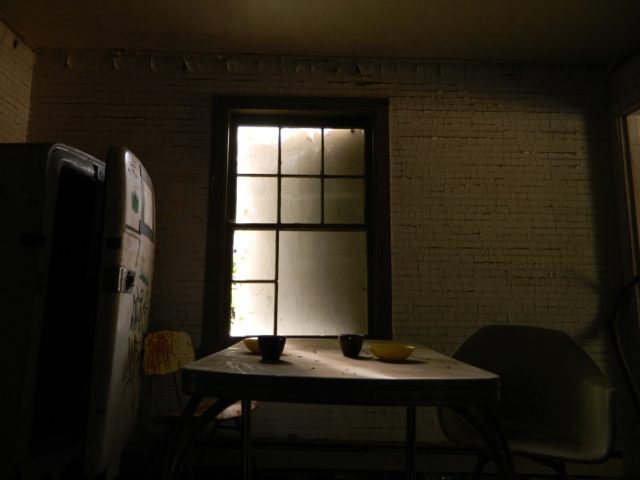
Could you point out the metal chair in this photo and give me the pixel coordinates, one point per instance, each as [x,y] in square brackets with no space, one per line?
[557,406]
[165,352]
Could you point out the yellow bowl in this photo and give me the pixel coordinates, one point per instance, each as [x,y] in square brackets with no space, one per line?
[392,352]
[252,344]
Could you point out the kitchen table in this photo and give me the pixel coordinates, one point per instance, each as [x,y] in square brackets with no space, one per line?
[314,371]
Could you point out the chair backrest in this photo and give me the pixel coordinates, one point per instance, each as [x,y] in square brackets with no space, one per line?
[551,389]
[166,351]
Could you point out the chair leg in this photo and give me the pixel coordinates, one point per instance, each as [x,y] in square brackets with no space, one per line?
[210,439]
[217,424]
[559,467]
[562,471]
[480,464]
[556,464]
[255,471]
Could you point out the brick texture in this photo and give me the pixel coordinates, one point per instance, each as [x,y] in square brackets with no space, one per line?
[503,201]
[16,71]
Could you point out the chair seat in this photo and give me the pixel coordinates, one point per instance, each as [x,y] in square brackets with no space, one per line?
[232,411]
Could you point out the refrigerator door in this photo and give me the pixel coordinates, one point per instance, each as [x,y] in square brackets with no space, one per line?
[51,206]
[123,309]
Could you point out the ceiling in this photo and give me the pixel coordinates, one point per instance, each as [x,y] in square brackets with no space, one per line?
[576,31]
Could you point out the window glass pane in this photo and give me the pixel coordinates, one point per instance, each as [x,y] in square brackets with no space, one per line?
[343,151]
[344,200]
[323,283]
[254,255]
[256,200]
[252,309]
[300,200]
[258,150]
[301,151]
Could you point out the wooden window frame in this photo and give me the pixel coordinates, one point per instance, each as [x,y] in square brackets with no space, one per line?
[230,110]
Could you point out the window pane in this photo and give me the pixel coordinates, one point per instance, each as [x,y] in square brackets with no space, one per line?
[344,200]
[344,151]
[301,151]
[323,283]
[256,200]
[254,255]
[258,150]
[300,200]
[252,309]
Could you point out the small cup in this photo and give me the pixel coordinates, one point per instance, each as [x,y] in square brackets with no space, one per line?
[271,347]
[351,344]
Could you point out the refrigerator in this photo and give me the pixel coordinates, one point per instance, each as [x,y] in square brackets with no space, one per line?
[77,237]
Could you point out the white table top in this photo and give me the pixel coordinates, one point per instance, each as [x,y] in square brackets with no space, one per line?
[313,370]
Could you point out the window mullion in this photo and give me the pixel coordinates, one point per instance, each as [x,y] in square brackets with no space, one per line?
[277,246]
[322,177]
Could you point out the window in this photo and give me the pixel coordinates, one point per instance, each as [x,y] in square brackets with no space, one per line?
[298,230]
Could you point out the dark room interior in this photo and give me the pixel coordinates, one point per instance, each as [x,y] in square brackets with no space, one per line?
[454,180]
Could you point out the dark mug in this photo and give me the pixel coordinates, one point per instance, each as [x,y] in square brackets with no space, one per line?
[271,347]
[351,344]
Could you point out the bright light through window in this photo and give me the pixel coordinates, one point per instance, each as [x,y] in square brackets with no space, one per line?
[300,232]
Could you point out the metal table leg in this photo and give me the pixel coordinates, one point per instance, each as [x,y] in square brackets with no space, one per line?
[410,443]
[487,428]
[185,432]
[501,439]
[245,421]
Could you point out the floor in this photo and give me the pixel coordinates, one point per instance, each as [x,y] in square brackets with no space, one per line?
[209,474]
[306,475]
[140,465]
[144,469]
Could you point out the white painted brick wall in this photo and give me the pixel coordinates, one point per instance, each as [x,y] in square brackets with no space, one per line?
[16,70]
[503,207]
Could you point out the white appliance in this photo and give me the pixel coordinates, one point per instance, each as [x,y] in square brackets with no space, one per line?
[77,242]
